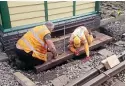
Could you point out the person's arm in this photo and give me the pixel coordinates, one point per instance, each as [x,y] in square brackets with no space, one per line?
[89,37]
[86,46]
[72,49]
[90,33]
[50,44]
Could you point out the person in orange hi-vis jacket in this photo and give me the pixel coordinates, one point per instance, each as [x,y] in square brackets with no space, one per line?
[80,36]
[35,47]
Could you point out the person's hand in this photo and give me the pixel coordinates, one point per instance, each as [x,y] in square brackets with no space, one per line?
[77,53]
[55,55]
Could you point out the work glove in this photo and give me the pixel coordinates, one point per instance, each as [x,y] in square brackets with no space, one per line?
[86,59]
[77,53]
[55,55]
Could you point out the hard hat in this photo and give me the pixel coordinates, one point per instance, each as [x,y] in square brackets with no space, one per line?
[76,41]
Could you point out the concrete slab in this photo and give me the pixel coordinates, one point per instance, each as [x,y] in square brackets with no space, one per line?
[3,57]
[120,43]
[119,83]
[64,79]
[113,61]
[23,80]
[105,63]
[56,82]
[105,53]
[110,62]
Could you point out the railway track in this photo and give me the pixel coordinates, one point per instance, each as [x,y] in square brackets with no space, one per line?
[90,78]
[98,75]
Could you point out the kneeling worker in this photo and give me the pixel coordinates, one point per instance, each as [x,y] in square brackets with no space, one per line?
[32,49]
[80,36]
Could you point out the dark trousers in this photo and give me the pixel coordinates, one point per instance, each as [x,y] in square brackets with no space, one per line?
[26,60]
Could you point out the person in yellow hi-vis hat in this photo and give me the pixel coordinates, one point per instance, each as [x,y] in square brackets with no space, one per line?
[80,36]
[32,48]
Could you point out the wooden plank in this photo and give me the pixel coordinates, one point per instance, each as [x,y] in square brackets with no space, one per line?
[50,2]
[83,2]
[85,6]
[59,5]
[26,9]
[23,80]
[60,10]
[85,11]
[61,38]
[28,15]
[27,21]
[67,55]
[58,16]
[17,3]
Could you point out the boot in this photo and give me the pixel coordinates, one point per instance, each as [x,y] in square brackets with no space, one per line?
[20,64]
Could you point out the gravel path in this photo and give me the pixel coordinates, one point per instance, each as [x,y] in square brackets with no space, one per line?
[111,8]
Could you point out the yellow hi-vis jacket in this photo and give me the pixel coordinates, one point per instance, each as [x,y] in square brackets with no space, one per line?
[83,34]
[33,40]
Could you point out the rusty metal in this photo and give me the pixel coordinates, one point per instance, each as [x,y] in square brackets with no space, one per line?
[102,71]
[64,38]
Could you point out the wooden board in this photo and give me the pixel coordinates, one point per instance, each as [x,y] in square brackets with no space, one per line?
[100,40]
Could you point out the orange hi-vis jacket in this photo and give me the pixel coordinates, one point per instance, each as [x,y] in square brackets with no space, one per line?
[33,40]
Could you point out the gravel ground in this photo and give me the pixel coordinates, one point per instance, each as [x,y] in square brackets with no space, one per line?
[73,68]
[6,75]
[113,80]
[115,29]
[111,8]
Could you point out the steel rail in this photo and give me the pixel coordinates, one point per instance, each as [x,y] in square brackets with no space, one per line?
[94,77]
[102,78]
